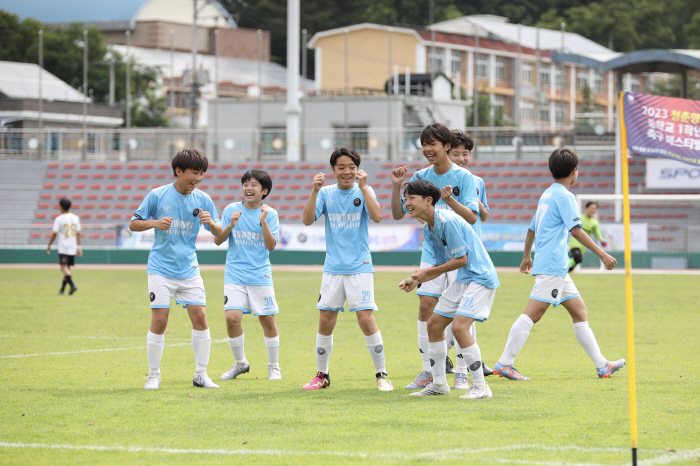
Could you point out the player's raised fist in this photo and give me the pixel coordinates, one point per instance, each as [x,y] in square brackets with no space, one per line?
[420,275]
[319,179]
[526,265]
[205,217]
[398,175]
[609,261]
[446,193]
[164,223]
[264,210]
[408,284]
[235,217]
[361,179]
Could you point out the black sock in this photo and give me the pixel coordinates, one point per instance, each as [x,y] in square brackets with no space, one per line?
[69,280]
[63,285]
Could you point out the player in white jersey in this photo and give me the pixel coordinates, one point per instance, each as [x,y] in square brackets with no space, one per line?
[348,274]
[460,154]
[252,230]
[557,215]
[468,299]
[458,194]
[66,228]
[176,212]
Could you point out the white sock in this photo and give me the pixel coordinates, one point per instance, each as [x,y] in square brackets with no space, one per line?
[154,347]
[273,349]
[237,346]
[449,337]
[324,346]
[472,356]
[587,340]
[462,367]
[472,330]
[438,353]
[201,344]
[375,346]
[423,345]
[516,339]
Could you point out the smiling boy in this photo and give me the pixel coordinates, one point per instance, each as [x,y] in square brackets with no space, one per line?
[176,212]
[348,274]
[252,229]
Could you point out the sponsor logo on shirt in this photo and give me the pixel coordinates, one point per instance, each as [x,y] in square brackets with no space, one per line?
[248,238]
[351,220]
[329,202]
[180,227]
[166,208]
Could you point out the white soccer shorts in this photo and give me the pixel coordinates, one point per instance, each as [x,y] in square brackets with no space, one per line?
[437,285]
[553,289]
[466,299]
[185,291]
[357,289]
[256,300]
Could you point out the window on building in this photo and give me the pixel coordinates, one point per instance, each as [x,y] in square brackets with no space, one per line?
[498,104]
[635,84]
[545,77]
[544,114]
[598,82]
[500,69]
[355,137]
[456,62]
[482,66]
[527,111]
[437,60]
[528,72]
[559,76]
[582,79]
[559,113]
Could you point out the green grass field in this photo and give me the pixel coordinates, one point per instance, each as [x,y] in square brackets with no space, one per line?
[72,368]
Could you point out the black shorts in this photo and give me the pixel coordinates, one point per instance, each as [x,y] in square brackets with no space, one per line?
[65,259]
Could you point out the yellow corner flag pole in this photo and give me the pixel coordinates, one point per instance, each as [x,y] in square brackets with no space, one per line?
[628,279]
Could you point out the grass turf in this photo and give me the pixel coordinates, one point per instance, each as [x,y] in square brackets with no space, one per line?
[54,406]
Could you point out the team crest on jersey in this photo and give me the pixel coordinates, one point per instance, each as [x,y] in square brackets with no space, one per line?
[152,296]
[166,208]
[357,202]
[455,190]
[195,212]
[329,202]
[555,292]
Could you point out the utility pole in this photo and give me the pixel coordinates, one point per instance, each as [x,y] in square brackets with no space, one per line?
[195,89]
[388,94]
[293,109]
[128,93]
[85,91]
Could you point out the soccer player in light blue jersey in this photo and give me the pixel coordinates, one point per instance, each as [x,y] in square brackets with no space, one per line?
[458,194]
[461,154]
[176,212]
[348,274]
[467,300]
[252,229]
[557,215]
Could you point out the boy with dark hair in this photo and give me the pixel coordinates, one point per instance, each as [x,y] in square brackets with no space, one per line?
[461,154]
[556,216]
[458,194]
[177,211]
[252,229]
[467,300]
[348,271]
[591,227]
[66,228]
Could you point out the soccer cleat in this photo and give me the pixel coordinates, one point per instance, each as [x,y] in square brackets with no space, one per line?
[320,381]
[383,383]
[461,382]
[509,372]
[421,380]
[273,372]
[477,393]
[235,371]
[152,382]
[449,367]
[61,291]
[606,371]
[73,290]
[487,370]
[203,381]
[433,389]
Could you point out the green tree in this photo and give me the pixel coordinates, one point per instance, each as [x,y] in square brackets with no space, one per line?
[672,87]
[485,109]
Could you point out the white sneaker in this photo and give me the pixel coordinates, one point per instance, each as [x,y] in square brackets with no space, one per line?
[203,381]
[274,372]
[433,389]
[477,393]
[235,371]
[152,382]
[461,382]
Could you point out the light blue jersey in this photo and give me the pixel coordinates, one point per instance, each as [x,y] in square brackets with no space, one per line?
[557,213]
[247,259]
[347,234]
[481,195]
[453,237]
[463,190]
[173,253]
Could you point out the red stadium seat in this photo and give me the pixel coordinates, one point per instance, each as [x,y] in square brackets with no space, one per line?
[51,175]
[138,197]
[502,185]
[382,175]
[588,184]
[285,176]
[230,197]
[294,217]
[101,216]
[489,185]
[219,186]
[53,165]
[227,166]
[238,176]
[66,175]
[524,196]
[242,166]
[285,207]
[282,216]
[496,195]
[161,176]
[299,206]
[544,185]
[384,196]
[61,196]
[115,216]
[148,166]
[129,176]
[259,166]
[294,186]
[542,163]
[134,206]
[117,166]
[94,236]
[69,165]
[516,185]
[602,184]
[386,216]
[101,166]
[304,197]
[167,166]
[82,176]
[105,206]
[524,217]
[305,166]
[215,197]
[495,216]
[508,174]
[514,163]
[111,186]
[222,176]
[213,166]
[79,186]
[35,235]
[599,163]
[145,176]
[300,176]
[290,197]
[499,164]
[133,166]
[509,196]
[530,185]
[511,216]
[40,215]
[64,186]
[485,164]
[113,176]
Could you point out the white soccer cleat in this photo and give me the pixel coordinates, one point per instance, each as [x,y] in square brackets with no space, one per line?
[203,381]
[432,389]
[235,371]
[152,382]
[461,382]
[274,372]
[478,393]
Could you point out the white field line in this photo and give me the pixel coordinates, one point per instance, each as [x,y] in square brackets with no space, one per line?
[61,353]
[664,457]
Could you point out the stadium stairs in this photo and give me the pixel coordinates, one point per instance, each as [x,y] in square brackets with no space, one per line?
[19,192]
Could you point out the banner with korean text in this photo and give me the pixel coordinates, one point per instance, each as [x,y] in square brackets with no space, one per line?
[660,126]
